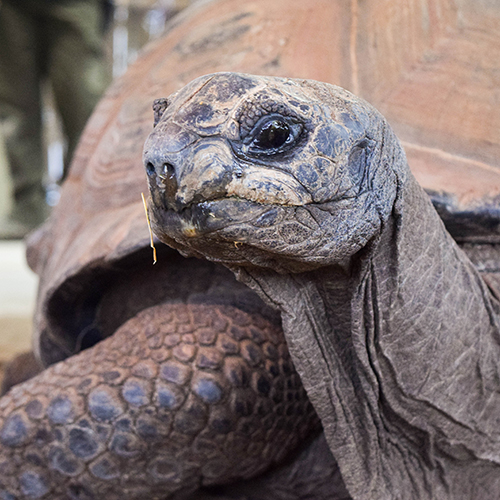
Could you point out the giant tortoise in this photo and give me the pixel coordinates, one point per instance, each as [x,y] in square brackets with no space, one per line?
[184,387]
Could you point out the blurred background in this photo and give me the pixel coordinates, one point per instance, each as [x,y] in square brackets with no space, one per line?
[133,24]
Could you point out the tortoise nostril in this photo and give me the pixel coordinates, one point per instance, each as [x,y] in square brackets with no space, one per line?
[168,170]
[170,182]
[150,169]
[163,182]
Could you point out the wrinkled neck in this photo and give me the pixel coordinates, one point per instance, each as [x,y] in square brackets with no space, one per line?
[432,336]
[398,358]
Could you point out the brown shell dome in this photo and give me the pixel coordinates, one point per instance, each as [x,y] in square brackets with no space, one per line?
[429,67]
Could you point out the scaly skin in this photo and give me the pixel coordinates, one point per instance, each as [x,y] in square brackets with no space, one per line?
[181,396]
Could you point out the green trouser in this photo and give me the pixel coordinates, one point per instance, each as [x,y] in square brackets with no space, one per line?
[58,40]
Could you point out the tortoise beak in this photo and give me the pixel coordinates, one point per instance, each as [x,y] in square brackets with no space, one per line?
[197,173]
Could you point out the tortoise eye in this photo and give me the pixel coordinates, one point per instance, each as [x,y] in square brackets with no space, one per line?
[272,135]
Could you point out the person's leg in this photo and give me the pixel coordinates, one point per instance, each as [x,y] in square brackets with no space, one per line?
[20,113]
[76,65]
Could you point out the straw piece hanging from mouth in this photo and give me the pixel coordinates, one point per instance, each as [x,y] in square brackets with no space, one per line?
[151,242]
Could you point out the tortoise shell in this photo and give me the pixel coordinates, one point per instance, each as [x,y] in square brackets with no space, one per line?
[430,68]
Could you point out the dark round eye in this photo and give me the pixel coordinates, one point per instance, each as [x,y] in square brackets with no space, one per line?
[272,135]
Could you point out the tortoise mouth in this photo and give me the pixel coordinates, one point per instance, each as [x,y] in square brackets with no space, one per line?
[209,216]
[237,232]
[91,305]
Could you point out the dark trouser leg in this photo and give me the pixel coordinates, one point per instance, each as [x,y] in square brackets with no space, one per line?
[20,113]
[75,65]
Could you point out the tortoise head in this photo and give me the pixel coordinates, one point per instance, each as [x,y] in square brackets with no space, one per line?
[273,172]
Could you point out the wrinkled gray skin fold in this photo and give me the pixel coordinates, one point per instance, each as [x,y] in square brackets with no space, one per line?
[304,191]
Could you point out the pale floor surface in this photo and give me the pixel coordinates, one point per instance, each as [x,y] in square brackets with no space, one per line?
[18,285]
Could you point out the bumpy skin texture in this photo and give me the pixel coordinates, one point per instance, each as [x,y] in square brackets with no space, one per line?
[181,396]
[303,191]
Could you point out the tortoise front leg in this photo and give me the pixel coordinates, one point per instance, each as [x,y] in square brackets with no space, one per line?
[180,397]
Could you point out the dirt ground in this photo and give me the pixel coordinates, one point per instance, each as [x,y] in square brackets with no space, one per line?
[15,337]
